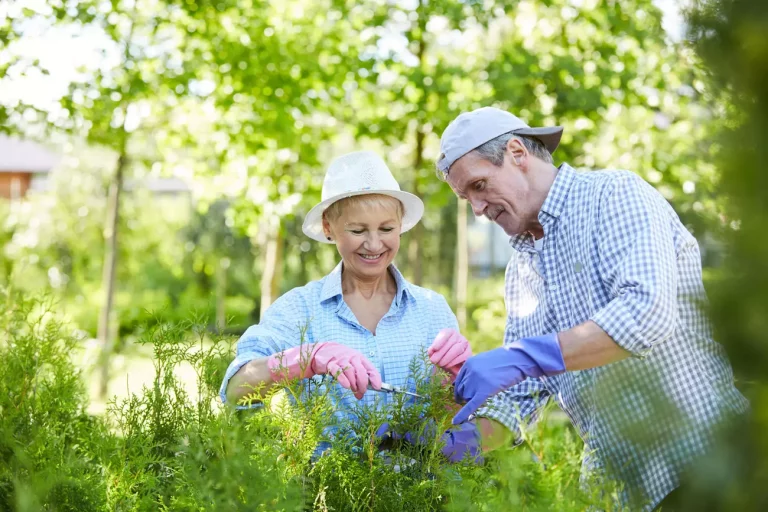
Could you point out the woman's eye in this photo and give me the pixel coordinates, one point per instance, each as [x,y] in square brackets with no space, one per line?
[356,231]
[387,230]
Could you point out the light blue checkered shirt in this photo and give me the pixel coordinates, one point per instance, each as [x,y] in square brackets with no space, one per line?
[616,253]
[405,332]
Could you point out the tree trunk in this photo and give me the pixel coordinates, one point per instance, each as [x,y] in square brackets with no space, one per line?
[445,267]
[415,245]
[221,294]
[414,254]
[462,264]
[270,279]
[105,334]
[417,233]
[491,248]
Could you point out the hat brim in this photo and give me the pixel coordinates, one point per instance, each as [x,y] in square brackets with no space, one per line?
[549,136]
[413,210]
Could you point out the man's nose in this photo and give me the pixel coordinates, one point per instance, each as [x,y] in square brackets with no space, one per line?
[478,207]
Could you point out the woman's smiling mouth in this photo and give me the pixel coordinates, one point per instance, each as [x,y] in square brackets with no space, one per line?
[371,258]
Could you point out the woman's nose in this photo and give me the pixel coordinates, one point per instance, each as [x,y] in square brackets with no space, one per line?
[373,242]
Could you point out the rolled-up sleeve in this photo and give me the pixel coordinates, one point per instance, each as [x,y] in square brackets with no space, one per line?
[638,266]
[280,328]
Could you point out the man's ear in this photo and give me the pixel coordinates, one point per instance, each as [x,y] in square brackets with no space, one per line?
[517,151]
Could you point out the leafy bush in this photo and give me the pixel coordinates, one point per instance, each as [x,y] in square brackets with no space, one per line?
[47,441]
[164,448]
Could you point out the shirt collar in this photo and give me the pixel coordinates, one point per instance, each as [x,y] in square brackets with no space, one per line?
[332,284]
[558,193]
[552,207]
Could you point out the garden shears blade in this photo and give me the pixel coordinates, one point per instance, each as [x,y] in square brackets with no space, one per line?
[389,388]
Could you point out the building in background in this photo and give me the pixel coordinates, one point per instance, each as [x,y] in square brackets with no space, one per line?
[24,166]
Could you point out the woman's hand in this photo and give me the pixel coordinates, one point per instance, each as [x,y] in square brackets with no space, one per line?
[350,368]
[449,350]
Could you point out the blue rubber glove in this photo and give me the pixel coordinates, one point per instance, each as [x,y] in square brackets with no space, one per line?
[462,442]
[486,374]
[428,431]
[457,443]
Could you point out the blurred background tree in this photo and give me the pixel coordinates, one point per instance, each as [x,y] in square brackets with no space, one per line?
[198,131]
[227,113]
[730,36]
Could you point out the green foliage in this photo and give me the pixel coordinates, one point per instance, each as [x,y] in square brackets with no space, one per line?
[54,240]
[487,313]
[730,36]
[166,447]
[249,100]
[45,433]
[159,448]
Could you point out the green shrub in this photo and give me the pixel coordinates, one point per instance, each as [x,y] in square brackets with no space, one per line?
[164,448]
[48,442]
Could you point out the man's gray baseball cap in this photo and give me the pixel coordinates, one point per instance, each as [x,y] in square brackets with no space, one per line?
[473,129]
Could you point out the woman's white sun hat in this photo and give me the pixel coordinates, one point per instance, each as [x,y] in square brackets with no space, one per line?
[355,174]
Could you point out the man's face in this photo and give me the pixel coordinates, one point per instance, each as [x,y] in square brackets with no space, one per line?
[502,194]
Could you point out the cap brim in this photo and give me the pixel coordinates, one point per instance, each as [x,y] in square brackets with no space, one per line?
[549,136]
[413,210]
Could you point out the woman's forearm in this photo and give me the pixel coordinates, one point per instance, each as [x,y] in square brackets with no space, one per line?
[254,374]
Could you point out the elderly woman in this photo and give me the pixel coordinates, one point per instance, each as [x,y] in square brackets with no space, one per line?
[365,322]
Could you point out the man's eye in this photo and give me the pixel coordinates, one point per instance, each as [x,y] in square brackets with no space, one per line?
[479,186]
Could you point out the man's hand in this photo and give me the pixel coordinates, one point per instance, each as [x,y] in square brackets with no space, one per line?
[456,443]
[462,441]
[486,374]
[449,350]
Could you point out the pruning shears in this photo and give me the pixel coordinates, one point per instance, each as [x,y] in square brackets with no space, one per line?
[389,388]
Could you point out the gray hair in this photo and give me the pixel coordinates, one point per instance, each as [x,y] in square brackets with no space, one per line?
[494,149]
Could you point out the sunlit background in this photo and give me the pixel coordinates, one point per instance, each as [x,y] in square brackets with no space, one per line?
[226,113]
[157,158]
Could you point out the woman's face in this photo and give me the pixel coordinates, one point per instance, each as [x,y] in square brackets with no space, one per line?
[367,236]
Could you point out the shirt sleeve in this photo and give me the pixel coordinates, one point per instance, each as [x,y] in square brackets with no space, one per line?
[638,266]
[517,407]
[280,328]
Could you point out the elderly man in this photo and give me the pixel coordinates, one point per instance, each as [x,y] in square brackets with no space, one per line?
[603,295]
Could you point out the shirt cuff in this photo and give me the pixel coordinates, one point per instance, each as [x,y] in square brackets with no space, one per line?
[496,409]
[240,361]
[618,321]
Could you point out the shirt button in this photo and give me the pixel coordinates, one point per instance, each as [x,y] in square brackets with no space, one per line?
[553,287]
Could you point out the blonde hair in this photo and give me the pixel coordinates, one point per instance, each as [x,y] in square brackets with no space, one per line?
[333,212]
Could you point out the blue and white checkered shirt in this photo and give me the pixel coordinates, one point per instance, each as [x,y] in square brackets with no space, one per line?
[404,332]
[616,253]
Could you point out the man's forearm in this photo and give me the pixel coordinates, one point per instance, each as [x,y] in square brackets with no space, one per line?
[493,434]
[588,346]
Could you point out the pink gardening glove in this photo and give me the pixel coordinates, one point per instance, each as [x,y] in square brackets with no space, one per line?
[350,368]
[449,351]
